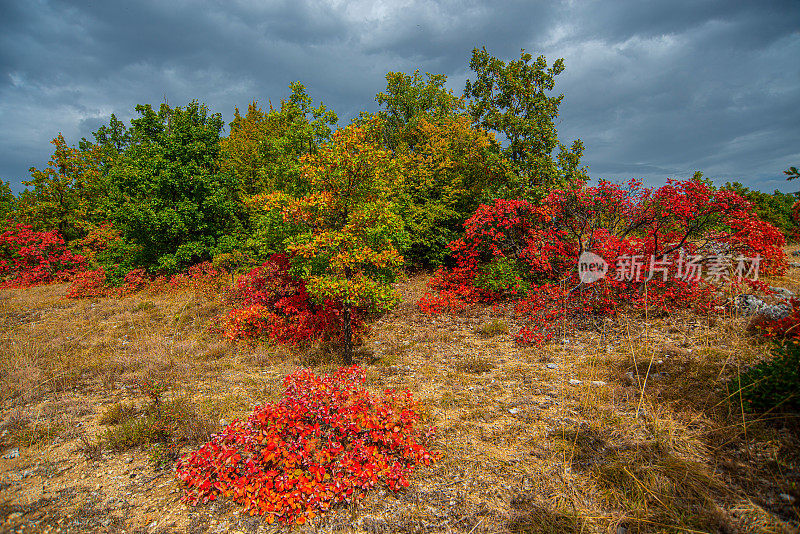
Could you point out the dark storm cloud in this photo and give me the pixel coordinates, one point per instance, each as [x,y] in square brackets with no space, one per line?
[654,89]
[663,89]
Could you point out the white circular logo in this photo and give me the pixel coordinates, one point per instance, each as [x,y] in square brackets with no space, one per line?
[591,267]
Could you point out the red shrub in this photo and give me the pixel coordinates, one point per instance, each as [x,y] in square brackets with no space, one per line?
[271,302]
[325,442]
[135,280]
[787,328]
[89,284]
[202,278]
[29,258]
[515,250]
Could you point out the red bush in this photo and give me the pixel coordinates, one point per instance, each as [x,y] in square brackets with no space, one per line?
[325,442]
[202,278]
[271,302]
[29,258]
[529,254]
[135,280]
[787,328]
[89,284]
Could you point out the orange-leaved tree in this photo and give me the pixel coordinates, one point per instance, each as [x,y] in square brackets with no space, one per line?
[346,248]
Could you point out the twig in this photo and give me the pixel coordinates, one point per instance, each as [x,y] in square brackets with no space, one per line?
[476,525]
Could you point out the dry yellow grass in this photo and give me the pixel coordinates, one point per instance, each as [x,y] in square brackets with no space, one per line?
[646,441]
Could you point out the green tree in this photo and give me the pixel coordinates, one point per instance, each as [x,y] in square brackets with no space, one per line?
[173,205]
[449,172]
[8,202]
[448,165]
[512,99]
[68,195]
[263,148]
[345,249]
[263,152]
[410,98]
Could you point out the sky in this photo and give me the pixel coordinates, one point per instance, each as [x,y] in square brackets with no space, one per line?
[655,89]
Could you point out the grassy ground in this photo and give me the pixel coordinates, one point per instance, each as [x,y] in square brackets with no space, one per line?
[647,441]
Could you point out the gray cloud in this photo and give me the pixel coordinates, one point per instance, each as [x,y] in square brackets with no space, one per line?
[655,89]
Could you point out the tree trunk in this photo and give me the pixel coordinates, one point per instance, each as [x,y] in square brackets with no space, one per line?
[348,336]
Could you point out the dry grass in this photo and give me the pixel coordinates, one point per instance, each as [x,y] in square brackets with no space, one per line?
[630,427]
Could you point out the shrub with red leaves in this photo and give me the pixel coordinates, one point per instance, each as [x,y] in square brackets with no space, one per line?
[270,302]
[515,251]
[202,278]
[326,442]
[785,329]
[89,284]
[29,258]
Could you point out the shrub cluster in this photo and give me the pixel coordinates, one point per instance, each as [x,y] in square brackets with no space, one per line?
[269,301]
[202,278]
[327,441]
[528,254]
[29,258]
[786,329]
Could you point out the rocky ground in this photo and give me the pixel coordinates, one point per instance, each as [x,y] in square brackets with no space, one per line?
[620,427]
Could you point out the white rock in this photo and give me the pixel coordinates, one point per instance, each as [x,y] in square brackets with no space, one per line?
[575,382]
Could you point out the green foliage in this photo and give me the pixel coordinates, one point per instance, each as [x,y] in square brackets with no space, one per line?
[69,194]
[8,203]
[264,148]
[511,99]
[172,202]
[160,422]
[269,232]
[773,384]
[503,275]
[263,153]
[448,165]
[134,432]
[162,456]
[408,99]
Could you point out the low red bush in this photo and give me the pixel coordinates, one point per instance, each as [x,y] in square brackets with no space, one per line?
[327,441]
[89,284]
[786,329]
[29,258]
[202,278]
